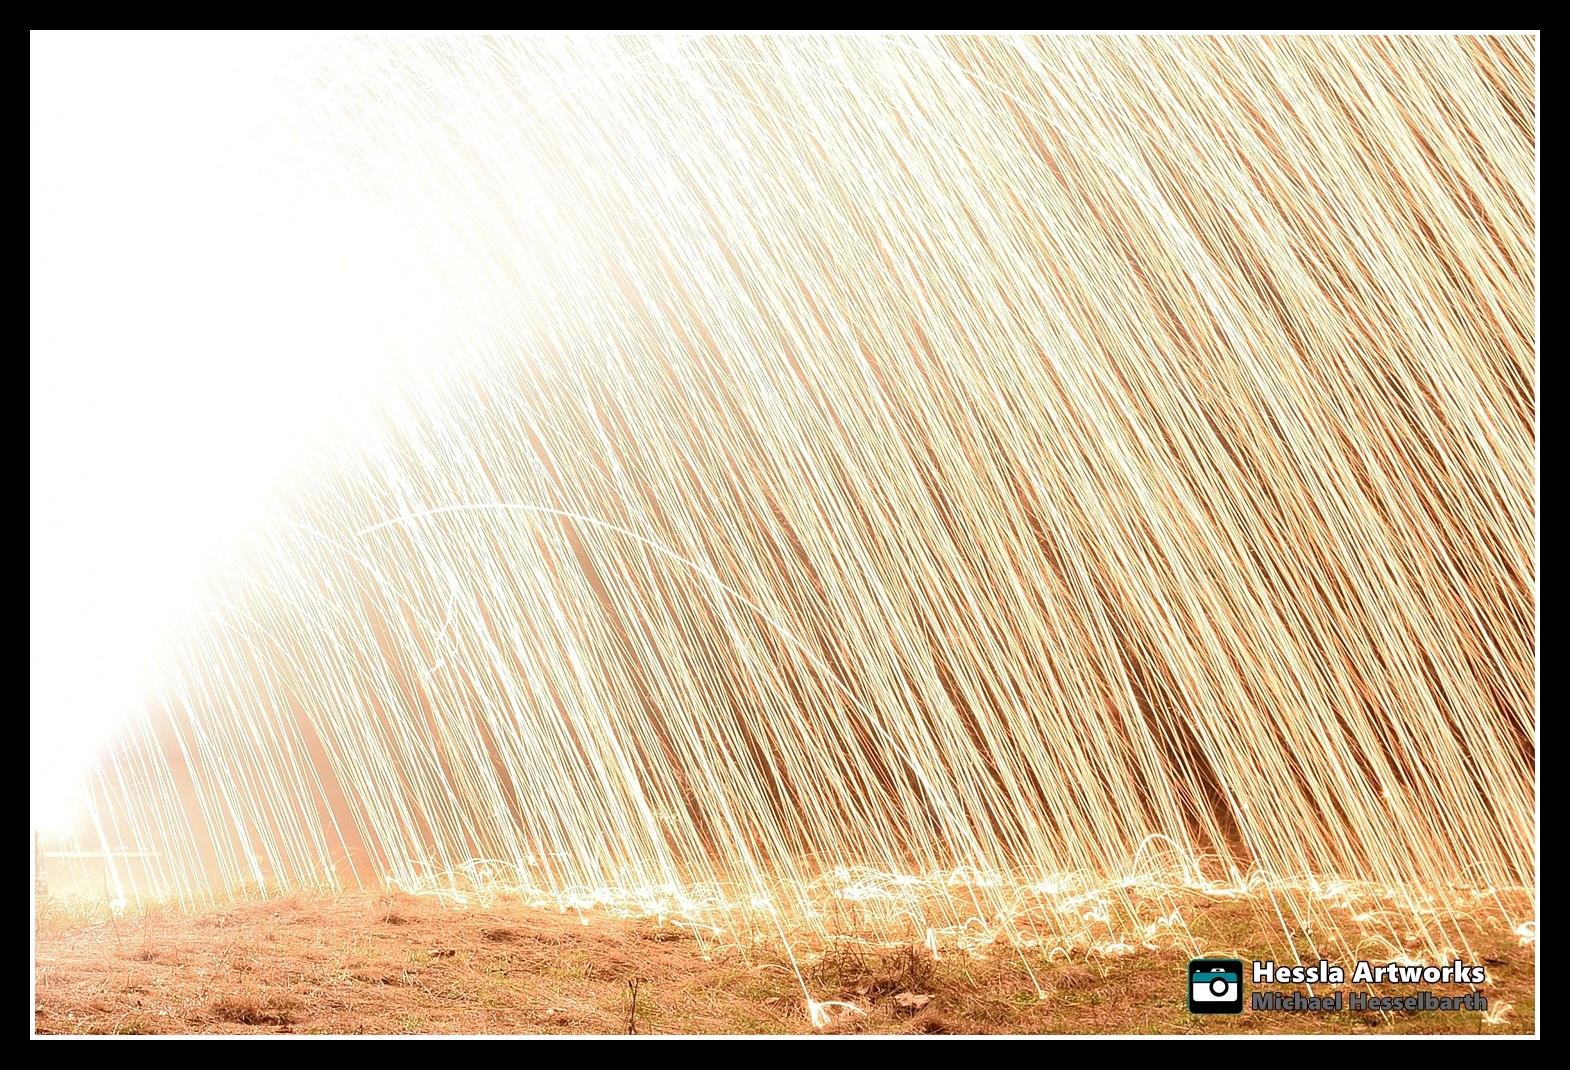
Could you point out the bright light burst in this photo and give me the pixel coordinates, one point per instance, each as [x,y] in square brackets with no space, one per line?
[978,478]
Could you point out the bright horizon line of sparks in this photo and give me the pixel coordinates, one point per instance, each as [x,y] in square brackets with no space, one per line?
[905,455]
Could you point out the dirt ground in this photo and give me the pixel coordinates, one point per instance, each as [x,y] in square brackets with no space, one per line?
[396,964]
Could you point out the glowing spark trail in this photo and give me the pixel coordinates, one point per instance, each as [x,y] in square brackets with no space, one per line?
[862,483]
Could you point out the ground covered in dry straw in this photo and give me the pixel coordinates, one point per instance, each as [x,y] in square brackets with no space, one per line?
[397,964]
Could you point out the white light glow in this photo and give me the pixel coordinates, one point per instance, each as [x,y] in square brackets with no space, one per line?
[204,300]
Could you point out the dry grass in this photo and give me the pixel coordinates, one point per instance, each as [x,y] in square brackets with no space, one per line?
[388,964]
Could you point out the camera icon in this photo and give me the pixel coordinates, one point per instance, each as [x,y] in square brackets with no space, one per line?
[1215,986]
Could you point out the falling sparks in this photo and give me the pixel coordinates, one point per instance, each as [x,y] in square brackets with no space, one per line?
[955,483]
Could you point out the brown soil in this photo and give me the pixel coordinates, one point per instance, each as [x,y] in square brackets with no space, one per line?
[364,963]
